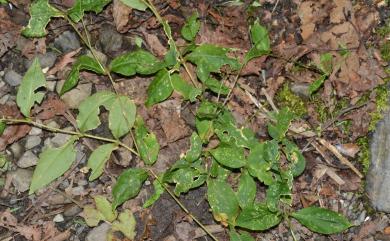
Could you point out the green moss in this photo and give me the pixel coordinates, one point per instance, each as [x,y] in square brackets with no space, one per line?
[382,97]
[364,154]
[286,98]
[385,51]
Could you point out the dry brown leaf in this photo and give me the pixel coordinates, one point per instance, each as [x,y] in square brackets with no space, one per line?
[349,149]
[121,12]
[64,61]
[154,43]
[50,107]
[9,32]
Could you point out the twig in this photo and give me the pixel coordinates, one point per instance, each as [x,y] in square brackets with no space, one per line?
[269,99]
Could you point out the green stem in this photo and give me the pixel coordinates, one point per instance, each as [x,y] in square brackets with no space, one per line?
[76,133]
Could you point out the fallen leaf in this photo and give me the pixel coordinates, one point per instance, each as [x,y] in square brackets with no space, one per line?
[64,61]
[50,107]
[9,32]
[121,12]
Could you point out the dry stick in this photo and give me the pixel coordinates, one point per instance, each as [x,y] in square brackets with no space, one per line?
[234,85]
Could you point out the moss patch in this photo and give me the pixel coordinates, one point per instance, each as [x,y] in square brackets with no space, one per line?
[364,154]
[381,99]
[286,98]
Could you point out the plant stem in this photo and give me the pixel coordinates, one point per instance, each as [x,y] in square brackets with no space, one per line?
[75,133]
[234,84]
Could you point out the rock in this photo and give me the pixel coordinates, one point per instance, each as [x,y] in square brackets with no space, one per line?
[378,176]
[99,233]
[110,40]
[32,141]
[301,90]
[74,97]
[21,179]
[58,218]
[35,131]
[4,99]
[71,211]
[17,150]
[46,60]
[51,85]
[67,42]
[101,57]
[28,159]
[58,140]
[12,78]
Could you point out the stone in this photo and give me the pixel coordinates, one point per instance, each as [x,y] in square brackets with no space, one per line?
[67,41]
[32,141]
[46,60]
[99,233]
[301,90]
[58,218]
[12,78]
[21,179]
[378,176]
[4,99]
[110,40]
[17,150]
[74,97]
[51,85]
[71,211]
[35,131]
[28,159]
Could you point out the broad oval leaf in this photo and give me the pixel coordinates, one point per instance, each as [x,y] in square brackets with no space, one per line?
[147,143]
[322,220]
[136,62]
[191,27]
[128,185]
[88,117]
[246,192]
[122,116]
[98,159]
[223,201]
[186,90]
[160,88]
[83,63]
[195,150]
[242,236]
[257,165]
[28,92]
[260,40]
[137,4]
[230,156]
[52,163]
[41,12]
[258,218]
[76,13]
[104,207]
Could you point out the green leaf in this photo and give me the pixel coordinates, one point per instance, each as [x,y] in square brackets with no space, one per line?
[223,201]
[126,224]
[246,193]
[137,4]
[230,156]
[195,150]
[158,190]
[104,207]
[84,62]
[28,92]
[295,157]
[191,27]
[207,110]
[122,116]
[186,90]
[160,88]
[218,171]
[76,13]
[209,59]
[258,166]
[41,12]
[88,117]
[52,163]
[147,143]
[313,87]
[128,185]
[275,192]
[98,159]
[283,119]
[260,40]
[243,236]
[136,62]
[326,63]
[216,86]
[205,129]
[92,216]
[322,220]
[3,125]
[258,218]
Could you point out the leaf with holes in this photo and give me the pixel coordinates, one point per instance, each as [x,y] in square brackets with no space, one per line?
[28,92]
[223,201]
[191,27]
[258,218]
[128,185]
[83,63]
[160,88]
[136,62]
[79,7]
[88,117]
[41,12]
[122,116]
[52,163]
[98,159]
[322,220]
[147,143]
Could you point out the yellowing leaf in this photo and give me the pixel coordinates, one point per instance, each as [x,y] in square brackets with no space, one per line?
[98,159]
[92,216]
[126,224]
[52,163]
[104,207]
[28,92]
[41,12]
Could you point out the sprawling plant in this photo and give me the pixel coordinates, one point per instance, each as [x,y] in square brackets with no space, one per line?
[240,155]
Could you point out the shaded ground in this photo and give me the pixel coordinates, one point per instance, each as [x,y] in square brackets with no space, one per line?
[343,110]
